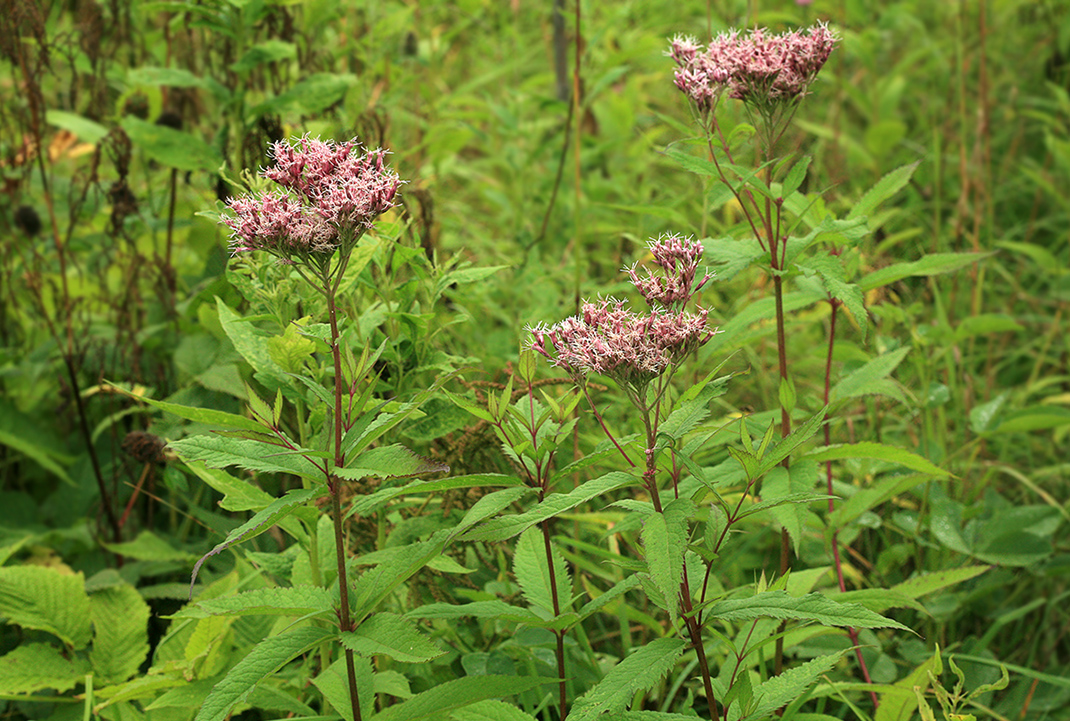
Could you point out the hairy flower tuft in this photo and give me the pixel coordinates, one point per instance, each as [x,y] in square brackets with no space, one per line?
[329,195]
[678,257]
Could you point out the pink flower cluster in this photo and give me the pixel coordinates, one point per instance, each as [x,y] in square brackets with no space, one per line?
[330,192]
[678,257]
[633,349]
[757,67]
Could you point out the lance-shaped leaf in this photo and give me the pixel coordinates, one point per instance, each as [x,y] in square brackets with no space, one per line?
[880,452]
[664,542]
[395,461]
[208,416]
[884,189]
[638,672]
[379,582]
[833,277]
[388,634]
[533,573]
[497,610]
[500,529]
[262,521]
[266,658]
[435,703]
[869,378]
[811,607]
[781,690]
[931,264]
[786,446]
[372,502]
[283,601]
[220,452]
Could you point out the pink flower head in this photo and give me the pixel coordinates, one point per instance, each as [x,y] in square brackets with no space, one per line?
[678,257]
[758,67]
[330,193]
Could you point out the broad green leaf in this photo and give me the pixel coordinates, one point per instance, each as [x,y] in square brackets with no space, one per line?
[377,583]
[170,147]
[500,529]
[262,521]
[491,710]
[985,324]
[781,690]
[533,574]
[477,609]
[931,264]
[44,599]
[374,501]
[157,77]
[880,452]
[250,342]
[34,667]
[730,255]
[221,452]
[266,658]
[310,96]
[638,672]
[444,698]
[394,461]
[288,601]
[885,188]
[85,129]
[262,53]
[149,547]
[811,607]
[833,276]
[1034,418]
[785,490]
[688,414]
[333,683]
[795,176]
[752,322]
[20,432]
[121,632]
[928,583]
[388,634]
[238,494]
[862,381]
[490,505]
[618,590]
[208,416]
[786,446]
[901,707]
[664,539]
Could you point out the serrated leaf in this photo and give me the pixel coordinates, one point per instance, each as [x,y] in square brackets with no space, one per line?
[500,529]
[219,452]
[795,176]
[388,634]
[44,599]
[490,710]
[120,639]
[931,264]
[238,494]
[664,539]
[368,504]
[379,582]
[927,583]
[444,698]
[730,255]
[262,521]
[618,590]
[34,667]
[638,672]
[786,446]
[811,607]
[499,610]
[781,690]
[394,461]
[880,452]
[250,342]
[867,498]
[490,505]
[862,381]
[266,658]
[833,277]
[884,189]
[283,601]
[532,572]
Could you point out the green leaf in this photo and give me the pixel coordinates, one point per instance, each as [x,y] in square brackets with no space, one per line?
[795,176]
[781,690]
[664,542]
[880,452]
[44,599]
[499,610]
[864,380]
[85,129]
[311,96]
[786,446]
[985,324]
[1034,418]
[208,416]
[268,51]
[442,699]
[927,583]
[388,634]
[532,572]
[289,601]
[866,499]
[37,666]
[379,582]
[250,342]
[885,188]
[262,521]
[170,147]
[490,505]
[500,529]
[785,490]
[251,455]
[833,276]
[731,255]
[266,658]
[618,590]
[491,710]
[170,77]
[394,461]
[121,638]
[20,432]
[374,501]
[931,264]
[238,494]
[149,547]
[811,607]
[638,672]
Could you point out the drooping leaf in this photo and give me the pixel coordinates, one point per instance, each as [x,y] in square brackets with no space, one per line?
[786,489]
[282,601]
[120,632]
[34,667]
[730,256]
[266,658]
[220,452]
[44,599]
[638,672]
[830,271]
[880,452]
[477,609]
[927,583]
[85,129]
[390,635]
[811,607]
